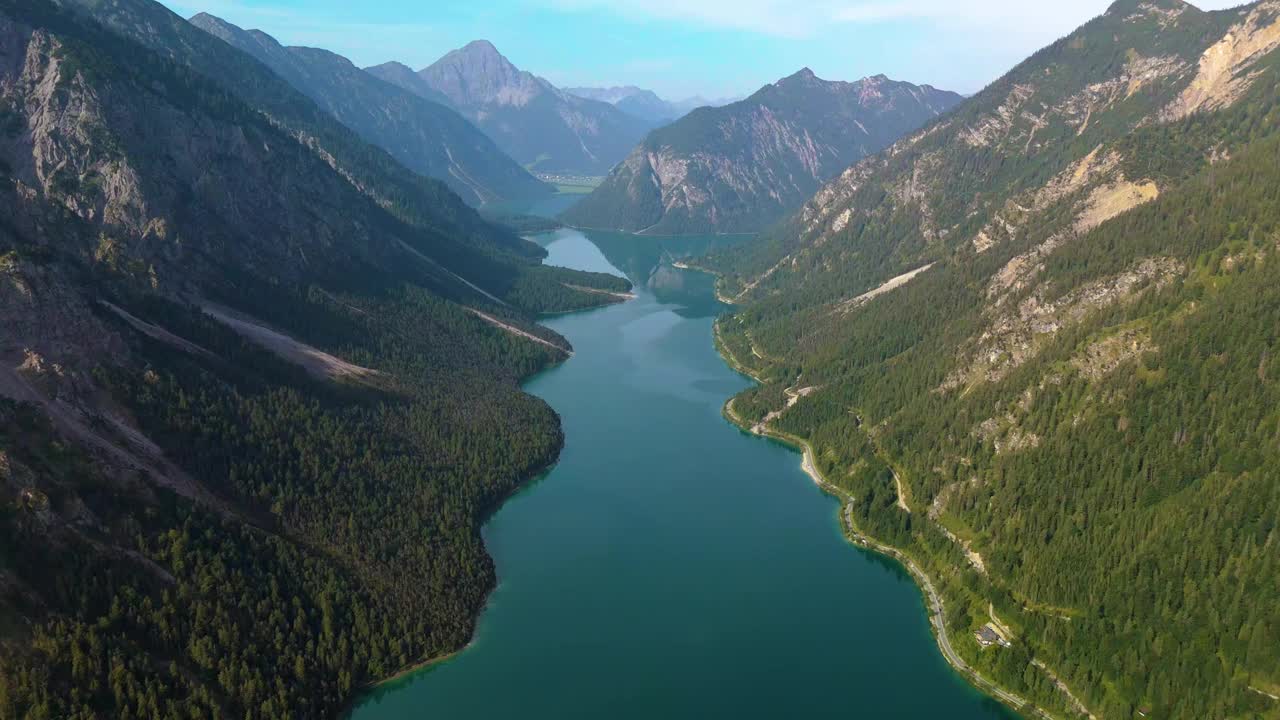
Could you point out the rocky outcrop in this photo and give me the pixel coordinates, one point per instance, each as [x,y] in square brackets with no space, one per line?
[541,126]
[424,135]
[741,167]
[1226,69]
[1015,335]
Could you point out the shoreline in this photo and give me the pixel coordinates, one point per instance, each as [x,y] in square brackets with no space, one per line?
[809,466]
[933,599]
[681,265]
[362,692]
[643,234]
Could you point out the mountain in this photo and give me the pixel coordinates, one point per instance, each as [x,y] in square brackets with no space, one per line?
[1033,346]
[259,382]
[637,102]
[645,104]
[740,167]
[542,127]
[406,77]
[611,95]
[425,136]
[688,105]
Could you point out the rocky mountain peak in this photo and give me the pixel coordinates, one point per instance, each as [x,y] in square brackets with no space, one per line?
[740,167]
[397,73]
[482,49]
[803,76]
[392,66]
[1132,6]
[478,74]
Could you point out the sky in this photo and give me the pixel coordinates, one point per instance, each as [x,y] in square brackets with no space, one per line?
[682,48]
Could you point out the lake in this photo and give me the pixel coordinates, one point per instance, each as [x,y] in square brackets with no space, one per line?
[671,565]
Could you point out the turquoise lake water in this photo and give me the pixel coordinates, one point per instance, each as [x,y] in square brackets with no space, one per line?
[672,566]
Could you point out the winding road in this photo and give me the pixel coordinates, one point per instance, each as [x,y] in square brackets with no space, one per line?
[935,612]
[936,608]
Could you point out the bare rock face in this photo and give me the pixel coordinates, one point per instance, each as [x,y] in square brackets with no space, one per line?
[477,74]
[421,132]
[741,167]
[1050,134]
[539,125]
[153,180]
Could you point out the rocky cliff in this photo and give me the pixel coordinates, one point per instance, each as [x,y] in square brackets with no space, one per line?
[424,136]
[541,126]
[740,167]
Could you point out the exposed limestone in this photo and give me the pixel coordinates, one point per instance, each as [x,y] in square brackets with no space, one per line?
[1138,72]
[740,167]
[1017,274]
[887,286]
[1223,75]
[1167,17]
[1016,335]
[983,242]
[1114,199]
[973,556]
[1143,71]
[1089,170]
[842,220]
[1102,204]
[1006,435]
[836,194]
[515,330]
[1102,357]
[315,361]
[914,190]
[993,127]
[156,332]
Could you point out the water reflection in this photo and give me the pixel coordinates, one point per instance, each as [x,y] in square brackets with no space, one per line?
[648,262]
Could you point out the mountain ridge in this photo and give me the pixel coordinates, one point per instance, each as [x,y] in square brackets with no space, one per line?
[1032,341]
[644,104]
[424,135]
[541,126]
[740,167]
[244,360]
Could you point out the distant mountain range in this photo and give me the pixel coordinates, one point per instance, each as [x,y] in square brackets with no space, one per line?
[645,104]
[740,167]
[544,128]
[419,131]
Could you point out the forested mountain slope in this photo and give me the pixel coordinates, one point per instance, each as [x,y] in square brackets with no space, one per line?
[259,383]
[741,167]
[541,126]
[425,136]
[1036,342]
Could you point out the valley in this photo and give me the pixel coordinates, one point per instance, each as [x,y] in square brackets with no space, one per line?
[647,577]
[332,387]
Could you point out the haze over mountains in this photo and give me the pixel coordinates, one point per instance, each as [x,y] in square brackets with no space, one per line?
[645,104]
[544,128]
[260,356]
[740,167]
[426,136]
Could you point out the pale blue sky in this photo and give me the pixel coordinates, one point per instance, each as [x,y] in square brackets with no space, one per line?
[684,47]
